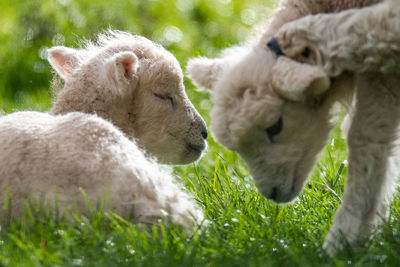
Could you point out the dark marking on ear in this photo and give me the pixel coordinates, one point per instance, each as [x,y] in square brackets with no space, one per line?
[274,46]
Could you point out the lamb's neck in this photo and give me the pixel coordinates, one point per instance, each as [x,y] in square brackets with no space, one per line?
[341,92]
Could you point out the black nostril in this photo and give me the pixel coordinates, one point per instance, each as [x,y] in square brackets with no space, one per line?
[274,193]
[274,46]
[204,134]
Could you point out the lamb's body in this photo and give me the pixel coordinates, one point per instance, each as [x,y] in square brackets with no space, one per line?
[357,40]
[290,10]
[52,158]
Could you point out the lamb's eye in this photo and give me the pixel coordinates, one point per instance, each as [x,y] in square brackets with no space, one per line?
[164,97]
[306,52]
[275,129]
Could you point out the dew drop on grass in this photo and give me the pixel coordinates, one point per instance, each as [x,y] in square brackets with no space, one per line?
[77,262]
[110,243]
[262,216]
[59,232]
[130,250]
[165,213]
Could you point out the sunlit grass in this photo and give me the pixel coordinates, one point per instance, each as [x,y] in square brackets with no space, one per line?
[245,229]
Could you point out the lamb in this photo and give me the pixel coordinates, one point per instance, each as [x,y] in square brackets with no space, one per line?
[138,86]
[367,43]
[134,90]
[277,114]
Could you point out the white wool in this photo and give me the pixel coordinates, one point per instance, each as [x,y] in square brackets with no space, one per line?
[53,158]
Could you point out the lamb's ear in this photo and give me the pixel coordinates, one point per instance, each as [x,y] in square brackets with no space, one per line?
[297,81]
[203,71]
[63,59]
[122,68]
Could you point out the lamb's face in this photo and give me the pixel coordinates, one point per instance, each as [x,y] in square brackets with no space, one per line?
[165,121]
[268,111]
[138,86]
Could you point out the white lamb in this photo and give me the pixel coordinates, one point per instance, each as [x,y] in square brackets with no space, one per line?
[56,158]
[277,114]
[366,42]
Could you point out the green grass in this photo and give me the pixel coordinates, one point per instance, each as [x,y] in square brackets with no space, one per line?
[245,229]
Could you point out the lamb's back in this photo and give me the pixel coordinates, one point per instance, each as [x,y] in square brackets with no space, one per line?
[64,154]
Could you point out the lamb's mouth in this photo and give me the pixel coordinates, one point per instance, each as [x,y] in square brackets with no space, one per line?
[197,148]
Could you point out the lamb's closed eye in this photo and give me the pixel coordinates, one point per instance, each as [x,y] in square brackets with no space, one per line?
[164,97]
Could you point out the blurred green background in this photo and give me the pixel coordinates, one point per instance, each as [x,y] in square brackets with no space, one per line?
[187,28]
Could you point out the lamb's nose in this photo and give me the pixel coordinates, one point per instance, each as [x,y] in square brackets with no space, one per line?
[274,46]
[204,134]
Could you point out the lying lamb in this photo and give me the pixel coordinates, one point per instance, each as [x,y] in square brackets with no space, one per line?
[135,84]
[277,113]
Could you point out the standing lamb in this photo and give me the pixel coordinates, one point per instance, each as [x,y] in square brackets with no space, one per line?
[277,113]
[135,84]
[138,86]
[366,42]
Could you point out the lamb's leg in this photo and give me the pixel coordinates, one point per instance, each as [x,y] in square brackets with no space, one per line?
[359,40]
[372,160]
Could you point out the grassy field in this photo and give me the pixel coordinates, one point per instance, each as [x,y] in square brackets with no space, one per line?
[245,229]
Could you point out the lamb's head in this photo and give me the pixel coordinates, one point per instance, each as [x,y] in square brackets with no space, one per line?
[138,86]
[272,111]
